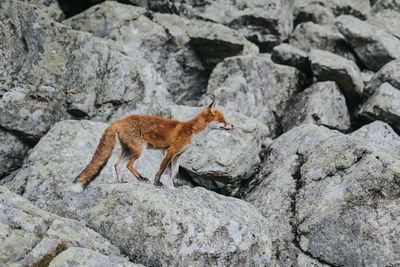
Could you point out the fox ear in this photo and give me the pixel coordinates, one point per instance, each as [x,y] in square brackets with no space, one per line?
[213,106]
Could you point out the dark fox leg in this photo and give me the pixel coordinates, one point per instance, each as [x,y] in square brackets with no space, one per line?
[167,158]
[136,150]
[175,169]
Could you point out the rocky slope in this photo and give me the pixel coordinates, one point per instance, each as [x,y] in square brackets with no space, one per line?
[310,176]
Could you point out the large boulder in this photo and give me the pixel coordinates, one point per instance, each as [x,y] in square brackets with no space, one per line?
[157,226]
[327,66]
[265,23]
[322,103]
[286,54]
[383,105]
[374,47]
[183,57]
[255,87]
[324,192]
[12,153]
[381,134]
[223,160]
[52,72]
[389,73]
[30,235]
[307,36]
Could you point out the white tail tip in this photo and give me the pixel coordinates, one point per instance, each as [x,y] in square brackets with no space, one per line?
[77,188]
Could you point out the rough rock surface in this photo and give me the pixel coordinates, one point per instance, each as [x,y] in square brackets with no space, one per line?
[383,105]
[286,54]
[50,7]
[265,23]
[182,51]
[28,233]
[254,86]
[324,192]
[322,103]
[327,66]
[222,160]
[52,72]
[389,73]
[386,14]
[315,12]
[12,153]
[373,46]
[379,133]
[309,35]
[187,226]
[83,257]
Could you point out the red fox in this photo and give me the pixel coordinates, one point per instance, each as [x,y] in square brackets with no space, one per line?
[138,131]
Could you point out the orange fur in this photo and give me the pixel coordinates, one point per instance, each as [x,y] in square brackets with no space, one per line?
[137,131]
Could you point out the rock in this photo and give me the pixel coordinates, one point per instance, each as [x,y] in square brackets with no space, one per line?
[288,55]
[307,36]
[255,87]
[315,12]
[12,153]
[82,257]
[50,7]
[390,73]
[136,35]
[383,105]
[379,133]
[222,160]
[366,76]
[214,42]
[322,103]
[373,46]
[328,66]
[264,23]
[385,18]
[156,226]
[327,191]
[30,235]
[356,8]
[52,72]
[182,51]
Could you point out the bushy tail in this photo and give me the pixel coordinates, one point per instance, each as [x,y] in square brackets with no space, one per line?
[100,157]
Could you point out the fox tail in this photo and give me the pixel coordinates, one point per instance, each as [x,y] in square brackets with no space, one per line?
[100,157]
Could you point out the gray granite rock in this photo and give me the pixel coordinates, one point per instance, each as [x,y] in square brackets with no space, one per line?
[308,36]
[389,73]
[30,235]
[265,23]
[289,55]
[327,66]
[326,191]
[181,227]
[383,105]
[322,103]
[381,134]
[374,47]
[12,153]
[83,257]
[52,72]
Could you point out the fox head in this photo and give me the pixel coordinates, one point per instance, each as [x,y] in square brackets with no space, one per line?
[215,118]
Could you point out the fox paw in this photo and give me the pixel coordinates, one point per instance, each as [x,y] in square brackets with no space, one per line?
[158,183]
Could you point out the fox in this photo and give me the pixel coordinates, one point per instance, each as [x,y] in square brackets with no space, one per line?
[136,132]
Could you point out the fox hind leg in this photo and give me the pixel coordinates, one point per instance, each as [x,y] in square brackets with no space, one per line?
[174,170]
[136,150]
[118,162]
